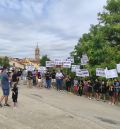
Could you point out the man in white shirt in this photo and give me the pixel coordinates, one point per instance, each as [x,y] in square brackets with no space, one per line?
[59,79]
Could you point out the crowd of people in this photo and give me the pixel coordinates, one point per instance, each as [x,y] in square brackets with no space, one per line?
[106,90]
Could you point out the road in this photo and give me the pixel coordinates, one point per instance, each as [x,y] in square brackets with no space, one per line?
[49,109]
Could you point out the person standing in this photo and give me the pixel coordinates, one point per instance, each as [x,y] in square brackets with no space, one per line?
[39,84]
[59,79]
[103,90]
[15,94]
[14,77]
[24,75]
[53,78]
[29,77]
[116,85]
[68,83]
[97,89]
[5,87]
[48,80]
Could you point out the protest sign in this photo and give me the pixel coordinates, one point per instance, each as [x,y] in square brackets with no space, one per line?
[111,73]
[67,64]
[118,68]
[70,59]
[50,64]
[100,72]
[74,67]
[82,73]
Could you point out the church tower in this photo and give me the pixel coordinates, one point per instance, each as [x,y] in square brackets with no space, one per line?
[37,54]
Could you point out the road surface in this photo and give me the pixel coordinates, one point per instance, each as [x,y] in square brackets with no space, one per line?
[49,109]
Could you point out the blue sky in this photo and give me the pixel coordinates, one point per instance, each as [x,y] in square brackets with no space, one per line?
[56,25]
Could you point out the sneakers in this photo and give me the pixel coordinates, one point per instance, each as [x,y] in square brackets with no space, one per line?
[7,105]
[0,105]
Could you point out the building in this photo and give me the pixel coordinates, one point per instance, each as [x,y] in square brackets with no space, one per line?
[21,63]
[37,55]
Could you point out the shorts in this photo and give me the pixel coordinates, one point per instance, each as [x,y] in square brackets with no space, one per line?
[116,90]
[39,80]
[24,78]
[90,89]
[53,80]
[111,93]
[75,88]
[6,92]
[14,97]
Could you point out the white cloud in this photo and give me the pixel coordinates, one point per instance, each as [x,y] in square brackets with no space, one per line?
[55,24]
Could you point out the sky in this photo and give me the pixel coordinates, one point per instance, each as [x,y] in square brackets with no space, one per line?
[55,25]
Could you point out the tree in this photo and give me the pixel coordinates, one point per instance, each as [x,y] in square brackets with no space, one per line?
[43,60]
[4,61]
[102,43]
[110,19]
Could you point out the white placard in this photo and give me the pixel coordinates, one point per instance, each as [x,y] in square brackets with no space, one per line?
[118,68]
[83,61]
[82,73]
[100,72]
[58,62]
[74,67]
[67,64]
[42,69]
[30,67]
[50,64]
[85,57]
[70,59]
[111,73]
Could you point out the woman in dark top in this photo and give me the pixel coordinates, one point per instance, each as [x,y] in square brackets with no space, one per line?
[103,90]
[97,89]
[48,79]
[111,94]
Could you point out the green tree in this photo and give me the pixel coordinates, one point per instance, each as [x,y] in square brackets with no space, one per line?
[43,60]
[102,43]
[110,19]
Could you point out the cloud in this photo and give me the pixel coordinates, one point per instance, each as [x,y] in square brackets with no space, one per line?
[56,25]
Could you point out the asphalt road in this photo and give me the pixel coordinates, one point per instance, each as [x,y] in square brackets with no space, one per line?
[49,109]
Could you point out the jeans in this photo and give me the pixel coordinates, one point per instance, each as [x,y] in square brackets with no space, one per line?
[59,84]
[48,82]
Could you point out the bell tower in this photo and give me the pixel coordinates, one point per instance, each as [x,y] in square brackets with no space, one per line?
[37,54]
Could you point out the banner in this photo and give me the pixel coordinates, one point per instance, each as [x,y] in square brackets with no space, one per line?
[118,68]
[58,61]
[100,72]
[30,67]
[74,67]
[82,73]
[84,59]
[42,69]
[50,64]
[111,73]
[67,64]
[70,59]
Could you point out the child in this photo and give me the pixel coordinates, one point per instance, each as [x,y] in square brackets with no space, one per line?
[15,94]
[68,83]
[111,95]
[75,86]
[39,80]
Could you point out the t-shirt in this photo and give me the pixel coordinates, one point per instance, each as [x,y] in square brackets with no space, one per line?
[39,76]
[5,81]
[48,76]
[53,75]
[59,76]
[14,77]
